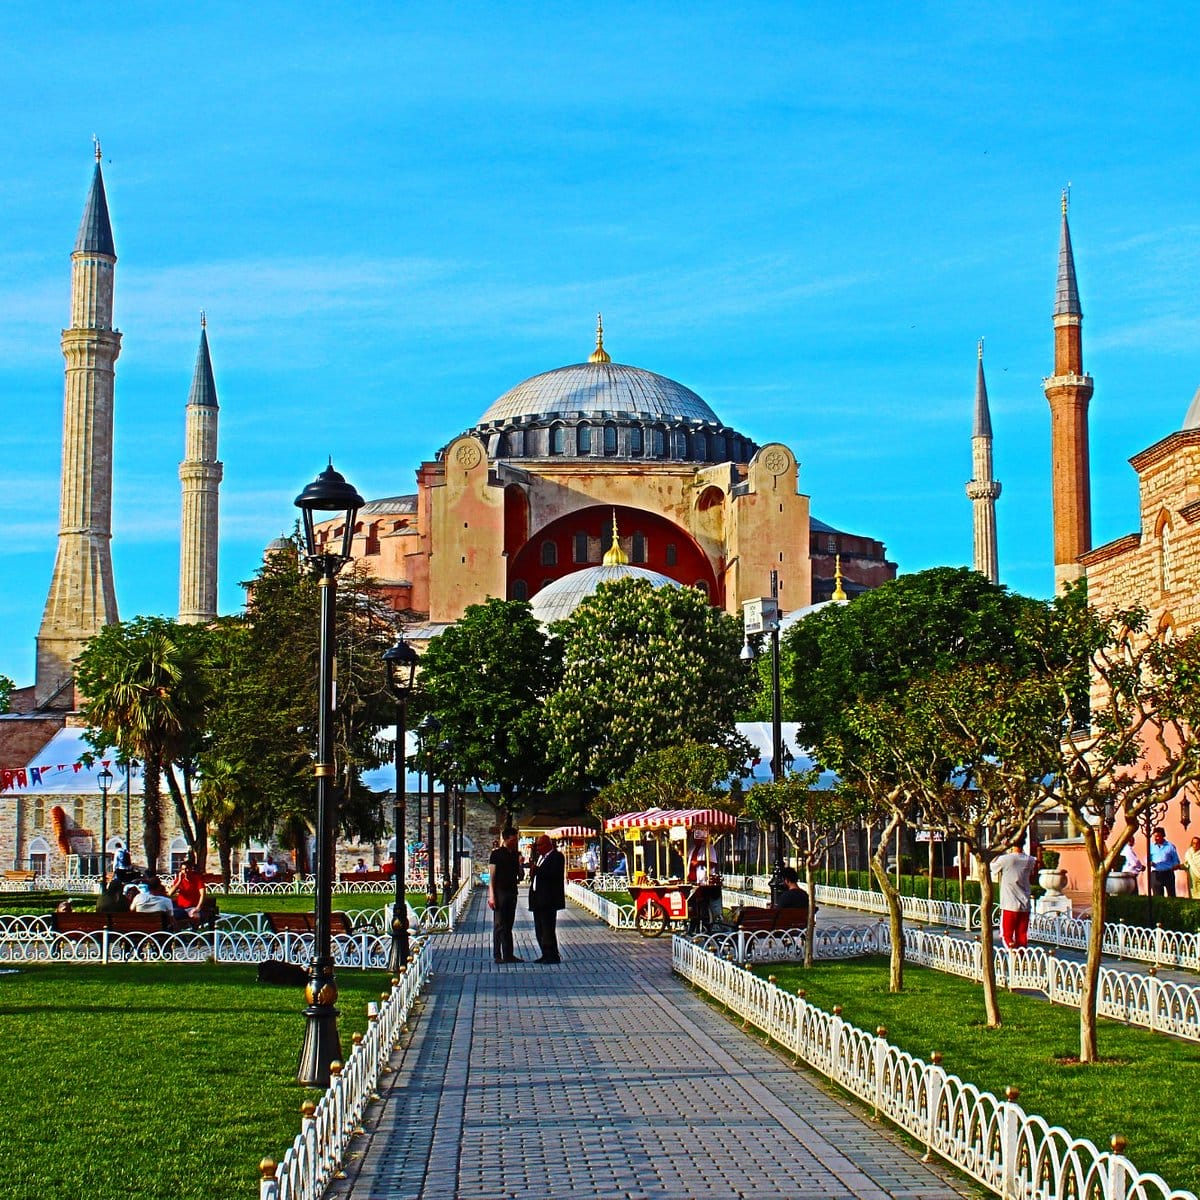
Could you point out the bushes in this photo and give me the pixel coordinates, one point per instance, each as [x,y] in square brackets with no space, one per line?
[910,885]
[1169,912]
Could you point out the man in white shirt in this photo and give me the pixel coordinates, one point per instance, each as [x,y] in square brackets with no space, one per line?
[1014,872]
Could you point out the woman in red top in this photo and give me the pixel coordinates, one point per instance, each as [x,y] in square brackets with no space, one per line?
[189,891]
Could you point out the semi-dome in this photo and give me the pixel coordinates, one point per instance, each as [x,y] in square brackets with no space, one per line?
[558,600]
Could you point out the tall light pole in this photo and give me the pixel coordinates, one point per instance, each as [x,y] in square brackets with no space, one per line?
[427,731]
[105,780]
[400,662]
[762,616]
[329,493]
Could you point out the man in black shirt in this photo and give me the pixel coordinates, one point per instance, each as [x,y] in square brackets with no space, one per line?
[504,874]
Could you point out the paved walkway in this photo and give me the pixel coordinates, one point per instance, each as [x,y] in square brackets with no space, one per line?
[605,1077]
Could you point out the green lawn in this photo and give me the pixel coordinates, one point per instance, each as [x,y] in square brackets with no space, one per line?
[1141,1091]
[341,902]
[164,1082]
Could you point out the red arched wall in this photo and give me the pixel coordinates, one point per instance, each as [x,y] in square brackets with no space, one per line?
[690,565]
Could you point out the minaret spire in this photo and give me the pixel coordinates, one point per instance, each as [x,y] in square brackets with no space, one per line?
[983,490]
[82,597]
[1069,390]
[200,477]
[599,355]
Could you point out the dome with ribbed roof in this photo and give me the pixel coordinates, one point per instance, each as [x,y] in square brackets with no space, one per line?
[558,600]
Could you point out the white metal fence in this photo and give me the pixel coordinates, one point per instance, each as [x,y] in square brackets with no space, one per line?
[319,1150]
[1011,1152]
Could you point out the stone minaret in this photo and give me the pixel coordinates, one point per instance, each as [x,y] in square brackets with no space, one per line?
[983,490]
[200,476]
[1069,389]
[82,598]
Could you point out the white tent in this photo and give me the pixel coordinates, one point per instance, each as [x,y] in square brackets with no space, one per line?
[58,770]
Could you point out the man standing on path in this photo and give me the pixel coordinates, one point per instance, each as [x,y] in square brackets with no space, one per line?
[1014,872]
[547,895]
[504,873]
[1164,862]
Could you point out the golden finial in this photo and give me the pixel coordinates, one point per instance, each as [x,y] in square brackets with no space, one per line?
[614,556]
[599,355]
[981,349]
[1066,199]
[96,143]
[839,592]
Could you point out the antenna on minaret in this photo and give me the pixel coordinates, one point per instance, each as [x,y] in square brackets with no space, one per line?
[1066,198]
[981,349]
[96,143]
[203,322]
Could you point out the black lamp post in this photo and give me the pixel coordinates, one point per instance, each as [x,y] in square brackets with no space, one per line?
[105,780]
[444,814]
[400,661]
[328,494]
[427,731]
[129,767]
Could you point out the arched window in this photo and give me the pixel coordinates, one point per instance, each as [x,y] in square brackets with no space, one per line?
[660,442]
[671,554]
[549,554]
[610,439]
[637,548]
[1166,565]
[700,446]
[637,443]
[556,439]
[581,547]
[520,590]
[584,436]
[702,584]
[718,447]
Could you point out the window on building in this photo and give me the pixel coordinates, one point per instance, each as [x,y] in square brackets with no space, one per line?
[557,439]
[702,584]
[660,442]
[580,549]
[610,439]
[637,548]
[671,554]
[584,439]
[549,554]
[78,812]
[39,863]
[636,441]
[520,590]
[39,813]
[1166,566]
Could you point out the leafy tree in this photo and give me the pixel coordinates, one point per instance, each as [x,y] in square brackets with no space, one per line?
[644,668]
[486,679]
[812,819]
[6,689]
[146,693]
[871,650]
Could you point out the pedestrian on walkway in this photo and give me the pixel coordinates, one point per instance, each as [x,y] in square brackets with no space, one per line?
[1014,872]
[505,872]
[1164,862]
[1191,860]
[547,895]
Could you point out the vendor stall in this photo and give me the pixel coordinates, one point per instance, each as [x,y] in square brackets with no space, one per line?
[578,846]
[673,865]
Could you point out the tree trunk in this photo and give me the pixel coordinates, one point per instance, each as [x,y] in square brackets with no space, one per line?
[892,897]
[987,947]
[151,813]
[810,926]
[225,852]
[1088,1040]
[181,813]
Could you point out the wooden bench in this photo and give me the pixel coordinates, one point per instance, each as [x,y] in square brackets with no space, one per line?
[20,876]
[303,922]
[366,876]
[772,919]
[82,924]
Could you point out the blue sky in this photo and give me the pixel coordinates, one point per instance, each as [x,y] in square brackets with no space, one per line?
[393,213]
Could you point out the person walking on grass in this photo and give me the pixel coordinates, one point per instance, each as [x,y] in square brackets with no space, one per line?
[505,872]
[547,895]
[1014,872]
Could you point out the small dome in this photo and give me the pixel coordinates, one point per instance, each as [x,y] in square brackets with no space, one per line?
[558,600]
[600,387]
[1192,420]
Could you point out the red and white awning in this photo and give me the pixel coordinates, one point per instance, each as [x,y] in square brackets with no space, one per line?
[673,818]
[573,833]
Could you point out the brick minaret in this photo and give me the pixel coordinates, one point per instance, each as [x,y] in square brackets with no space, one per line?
[200,478]
[1069,389]
[983,491]
[82,598]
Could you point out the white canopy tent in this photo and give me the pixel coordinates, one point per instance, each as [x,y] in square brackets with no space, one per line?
[58,770]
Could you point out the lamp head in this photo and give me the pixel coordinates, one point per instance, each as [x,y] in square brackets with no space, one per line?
[328,493]
[105,779]
[400,662]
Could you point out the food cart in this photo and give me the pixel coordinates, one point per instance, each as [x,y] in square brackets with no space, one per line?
[673,864]
[573,841]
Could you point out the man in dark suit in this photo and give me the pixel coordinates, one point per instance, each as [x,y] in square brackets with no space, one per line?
[505,872]
[547,895]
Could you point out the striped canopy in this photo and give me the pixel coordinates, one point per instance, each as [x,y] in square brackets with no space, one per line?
[668,818]
[573,833]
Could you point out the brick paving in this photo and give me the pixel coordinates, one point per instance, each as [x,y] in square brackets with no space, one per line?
[608,1077]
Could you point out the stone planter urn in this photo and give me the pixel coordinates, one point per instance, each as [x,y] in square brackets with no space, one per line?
[1053,881]
[1121,883]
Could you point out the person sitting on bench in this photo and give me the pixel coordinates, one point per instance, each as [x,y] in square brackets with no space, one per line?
[793,895]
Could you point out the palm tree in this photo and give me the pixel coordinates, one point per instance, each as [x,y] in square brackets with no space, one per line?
[146,693]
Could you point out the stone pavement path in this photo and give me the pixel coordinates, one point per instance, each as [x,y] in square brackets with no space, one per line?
[607,1077]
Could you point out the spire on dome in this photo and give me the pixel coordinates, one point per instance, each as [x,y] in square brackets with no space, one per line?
[983,418]
[1066,299]
[614,556]
[95,230]
[204,387]
[599,355]
[839,592]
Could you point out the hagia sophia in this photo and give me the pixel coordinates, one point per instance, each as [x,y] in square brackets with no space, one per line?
[535,492]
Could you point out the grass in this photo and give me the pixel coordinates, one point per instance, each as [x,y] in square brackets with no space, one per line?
[1142,1090]
[257,903]
[165,1082]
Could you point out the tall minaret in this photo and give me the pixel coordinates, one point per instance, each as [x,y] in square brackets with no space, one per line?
[82,598]
[1069,389]
[983,490]
[200,476]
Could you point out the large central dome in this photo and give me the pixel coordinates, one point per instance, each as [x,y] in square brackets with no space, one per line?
[600,389]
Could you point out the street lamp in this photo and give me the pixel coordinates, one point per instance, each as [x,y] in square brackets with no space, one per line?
[761,615]
[427,731]
[105,780]
[329,493]
[444,813]
[400,662]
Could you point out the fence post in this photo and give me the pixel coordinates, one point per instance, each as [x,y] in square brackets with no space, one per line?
[268,1186]
[1118,1177]
[1010,1126]
[879,1062]
[935,1080]
[1158,937]
[104,945]
[1154,992]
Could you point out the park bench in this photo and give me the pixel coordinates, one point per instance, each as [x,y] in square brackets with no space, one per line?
[752,919]
[20,876]
[366,877]
[136,928]
[303,922]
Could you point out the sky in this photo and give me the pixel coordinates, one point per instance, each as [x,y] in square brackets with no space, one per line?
[392,213]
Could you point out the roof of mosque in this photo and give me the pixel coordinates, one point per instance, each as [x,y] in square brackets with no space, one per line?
[558,600]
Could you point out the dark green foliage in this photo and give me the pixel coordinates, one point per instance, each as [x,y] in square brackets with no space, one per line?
[1171,912]
[910,885]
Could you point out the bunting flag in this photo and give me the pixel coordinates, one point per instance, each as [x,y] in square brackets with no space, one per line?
[13,777]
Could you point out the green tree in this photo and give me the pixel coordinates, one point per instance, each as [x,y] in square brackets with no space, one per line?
[486,678]
[146,692]
[644,668]
[871,650]
[812,818]
[6,689]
